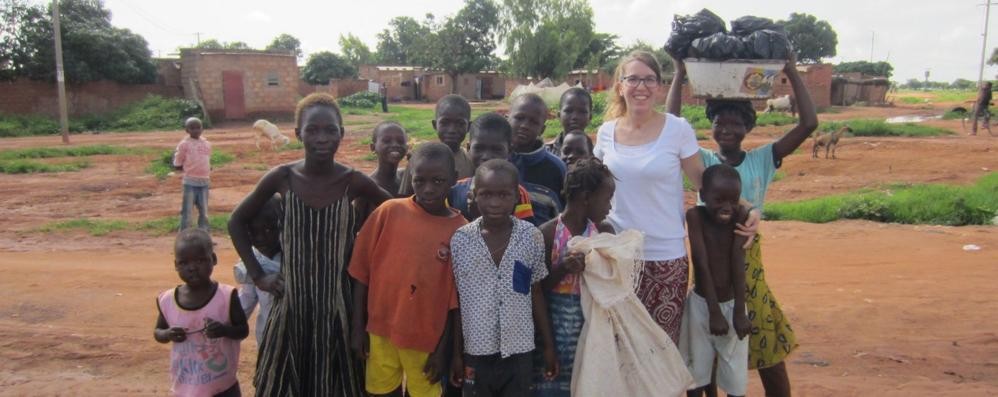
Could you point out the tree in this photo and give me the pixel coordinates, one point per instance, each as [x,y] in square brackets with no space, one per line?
[402,43]
[602,48]
[994,57]
[92,48]
[209,44]
[661,56]
[212,44]
[812,39]
[544,38]
[286,42]
[465,42]
[881,69]
[323,66]
[963,84]
[355,51]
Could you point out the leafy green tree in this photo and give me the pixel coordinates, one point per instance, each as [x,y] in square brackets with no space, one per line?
[993,60]
[323,66]
[661,56]
[92,48]
[355,51]
[209,44]
[543,38]
[881,69]
[963,84]
[237,45]
[812,39]
[402,42]
[601,49]
[286,42]
[465,42]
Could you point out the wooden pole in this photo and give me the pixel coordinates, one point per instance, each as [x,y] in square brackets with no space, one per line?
[59,76]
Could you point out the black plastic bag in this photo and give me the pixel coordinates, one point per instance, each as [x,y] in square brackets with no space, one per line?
[746,25]
[718,46]
[767,44]
[687,28]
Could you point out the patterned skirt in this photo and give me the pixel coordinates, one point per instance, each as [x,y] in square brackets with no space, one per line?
[566,326]
[772,339]
[663,292]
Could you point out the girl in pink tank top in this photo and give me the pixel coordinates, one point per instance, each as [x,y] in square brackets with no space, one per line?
[204,321]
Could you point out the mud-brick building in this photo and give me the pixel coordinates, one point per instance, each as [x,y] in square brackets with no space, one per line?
[241,84]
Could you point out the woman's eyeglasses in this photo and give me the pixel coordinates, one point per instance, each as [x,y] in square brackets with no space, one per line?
[634,81]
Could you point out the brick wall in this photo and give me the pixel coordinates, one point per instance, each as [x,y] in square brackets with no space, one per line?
[259,70]
[40,97]
[817,79]
[337,88]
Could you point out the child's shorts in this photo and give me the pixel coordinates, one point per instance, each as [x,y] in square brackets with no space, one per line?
[386,365]
[699,347]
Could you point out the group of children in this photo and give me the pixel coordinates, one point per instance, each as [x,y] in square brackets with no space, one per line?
[459,276]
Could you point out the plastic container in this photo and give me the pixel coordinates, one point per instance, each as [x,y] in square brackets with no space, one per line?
[733,79]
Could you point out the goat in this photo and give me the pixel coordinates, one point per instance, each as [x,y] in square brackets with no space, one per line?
[267,129]
[830,141]
[782,104]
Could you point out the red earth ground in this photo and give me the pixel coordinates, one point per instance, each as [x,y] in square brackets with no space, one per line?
[879,309]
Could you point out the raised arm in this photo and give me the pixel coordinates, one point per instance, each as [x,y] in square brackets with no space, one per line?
[239,229]
[674,102]
[808,121]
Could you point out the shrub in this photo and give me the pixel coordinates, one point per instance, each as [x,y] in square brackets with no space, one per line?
[150,114]
[872,127]
[363,100]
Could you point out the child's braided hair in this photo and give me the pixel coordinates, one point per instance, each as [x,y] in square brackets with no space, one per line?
[585,176]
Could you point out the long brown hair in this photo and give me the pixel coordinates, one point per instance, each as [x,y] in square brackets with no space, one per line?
[617,106]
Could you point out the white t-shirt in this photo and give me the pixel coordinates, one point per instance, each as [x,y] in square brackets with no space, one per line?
[649,194]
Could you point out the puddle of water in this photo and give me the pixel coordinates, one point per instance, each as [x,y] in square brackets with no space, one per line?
[910,119]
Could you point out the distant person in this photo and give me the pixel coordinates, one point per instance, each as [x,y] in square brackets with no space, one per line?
[265,235]
[384,98]
[981,108]
[451,121]
[193,157]
[715,324]
[203,320]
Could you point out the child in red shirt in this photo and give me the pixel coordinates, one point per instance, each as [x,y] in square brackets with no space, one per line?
[404,295]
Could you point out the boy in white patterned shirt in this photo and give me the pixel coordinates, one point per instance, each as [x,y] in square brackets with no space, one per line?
[498,261]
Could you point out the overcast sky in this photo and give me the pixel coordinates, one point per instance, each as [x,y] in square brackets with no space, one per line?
[943,37]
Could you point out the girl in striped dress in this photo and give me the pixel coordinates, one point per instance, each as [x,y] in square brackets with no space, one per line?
[589,186]
[305,350]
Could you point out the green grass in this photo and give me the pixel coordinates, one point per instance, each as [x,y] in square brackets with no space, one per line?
[900,203]
[163,165]
[909,100]
[697,117]
[150,114]
[912,97]
[71,151]
[162,226]
[95,227]
[873,127]
[779,175]
[32,167]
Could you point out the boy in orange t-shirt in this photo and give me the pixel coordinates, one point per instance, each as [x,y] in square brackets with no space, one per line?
[405,297]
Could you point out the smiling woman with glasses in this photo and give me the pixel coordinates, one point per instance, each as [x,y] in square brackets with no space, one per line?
[649,152]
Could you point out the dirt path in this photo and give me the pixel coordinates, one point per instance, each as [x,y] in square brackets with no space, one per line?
[879,309]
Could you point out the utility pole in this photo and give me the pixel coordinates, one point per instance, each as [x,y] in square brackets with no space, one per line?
[197,38]
[59,76]
[873,36]
[984,42]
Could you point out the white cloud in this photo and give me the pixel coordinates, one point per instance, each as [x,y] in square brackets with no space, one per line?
[258,16]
